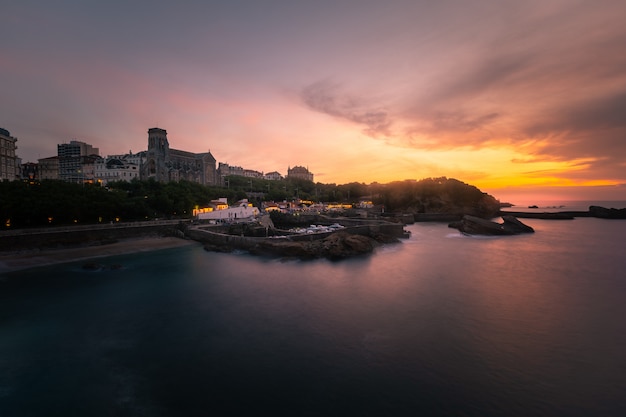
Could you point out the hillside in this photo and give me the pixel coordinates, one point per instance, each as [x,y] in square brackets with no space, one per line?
[438,195]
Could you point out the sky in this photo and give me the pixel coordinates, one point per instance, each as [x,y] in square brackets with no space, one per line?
[525,100]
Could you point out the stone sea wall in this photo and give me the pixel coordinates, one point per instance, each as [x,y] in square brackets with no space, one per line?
[214,236]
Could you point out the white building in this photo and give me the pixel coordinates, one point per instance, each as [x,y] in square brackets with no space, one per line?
[242,212]
[119,168]
[273,176]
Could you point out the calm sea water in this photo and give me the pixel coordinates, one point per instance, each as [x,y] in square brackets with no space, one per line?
[441,324]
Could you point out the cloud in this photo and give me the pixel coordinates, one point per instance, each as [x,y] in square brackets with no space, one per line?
[597,113]
[327,97]
[593,128]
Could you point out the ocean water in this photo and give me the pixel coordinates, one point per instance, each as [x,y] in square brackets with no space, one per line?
[439,325]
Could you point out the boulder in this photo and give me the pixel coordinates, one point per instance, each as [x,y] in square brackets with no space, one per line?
[476,226]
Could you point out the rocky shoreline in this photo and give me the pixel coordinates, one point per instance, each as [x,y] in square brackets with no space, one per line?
[336,246]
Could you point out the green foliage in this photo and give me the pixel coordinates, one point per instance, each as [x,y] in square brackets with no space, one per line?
[436,195]
[55,202]
[60,203]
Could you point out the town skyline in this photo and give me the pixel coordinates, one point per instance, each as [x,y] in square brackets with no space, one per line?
[516,99]
[243,171]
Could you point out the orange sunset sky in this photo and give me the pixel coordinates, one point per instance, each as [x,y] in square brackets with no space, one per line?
[523,99]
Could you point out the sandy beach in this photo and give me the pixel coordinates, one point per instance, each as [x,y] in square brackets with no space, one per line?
[14,261]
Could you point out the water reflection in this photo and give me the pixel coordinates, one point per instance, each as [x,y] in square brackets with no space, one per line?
[441,324]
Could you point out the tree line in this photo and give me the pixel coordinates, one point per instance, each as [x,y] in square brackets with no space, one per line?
[53,202]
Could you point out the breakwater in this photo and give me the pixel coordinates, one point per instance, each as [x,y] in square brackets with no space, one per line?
[215,235]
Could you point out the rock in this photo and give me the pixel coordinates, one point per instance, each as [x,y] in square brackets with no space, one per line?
[383,238]
[335,246]
[476,226]
[607,213]
[511,223]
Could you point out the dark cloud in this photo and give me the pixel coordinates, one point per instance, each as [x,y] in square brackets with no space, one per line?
[593,114]
[488,76]
[550,75]
[593,129]
[327,97]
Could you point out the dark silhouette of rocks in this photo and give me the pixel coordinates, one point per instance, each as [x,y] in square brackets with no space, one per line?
[562,215]
[335,246]
[472,225]
[607,213]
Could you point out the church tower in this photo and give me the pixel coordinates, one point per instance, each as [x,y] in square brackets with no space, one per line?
[158,155]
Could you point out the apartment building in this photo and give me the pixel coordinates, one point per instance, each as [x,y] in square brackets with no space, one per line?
[9,162]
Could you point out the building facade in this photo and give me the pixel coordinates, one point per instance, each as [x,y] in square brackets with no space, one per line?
[48,168]
[119,168]
[299,172]
[251,173]
[76,161]
[164,164]
[273,176]
[9,162]
[29,171]
[225,170]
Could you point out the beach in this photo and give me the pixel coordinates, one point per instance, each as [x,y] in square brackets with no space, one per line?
[24,259]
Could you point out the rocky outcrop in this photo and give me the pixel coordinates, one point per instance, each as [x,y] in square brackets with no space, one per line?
[476,226]
[336,246]
[607,213]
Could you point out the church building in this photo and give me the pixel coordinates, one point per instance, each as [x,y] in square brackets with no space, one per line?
[164,164]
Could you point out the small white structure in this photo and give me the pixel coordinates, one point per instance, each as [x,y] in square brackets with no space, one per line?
[231,214]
